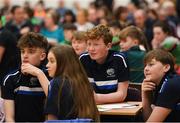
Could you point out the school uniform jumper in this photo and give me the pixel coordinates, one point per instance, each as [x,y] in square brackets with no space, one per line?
[167,95]
[28,96]
[105,77]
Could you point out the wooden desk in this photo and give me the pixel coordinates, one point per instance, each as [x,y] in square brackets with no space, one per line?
[124,111]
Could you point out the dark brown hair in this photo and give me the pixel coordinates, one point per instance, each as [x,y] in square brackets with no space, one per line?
[100,31]
[33,39]
[162,56]
[70,68]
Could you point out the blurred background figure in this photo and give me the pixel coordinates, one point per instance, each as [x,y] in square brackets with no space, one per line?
[144,23]
[18,25]
[51,29]
[69,17]
[82,23]
[61,10]
[39,10]
[69,29]
[6,7]
[9,53]
[163,38]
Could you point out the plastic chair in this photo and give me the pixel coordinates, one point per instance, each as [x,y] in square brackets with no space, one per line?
[133,94]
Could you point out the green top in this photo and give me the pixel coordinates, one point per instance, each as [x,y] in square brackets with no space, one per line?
[115,47]
[65,42]
[135,58]
[172,45]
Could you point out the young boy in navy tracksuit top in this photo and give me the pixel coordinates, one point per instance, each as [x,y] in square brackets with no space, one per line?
[22,91]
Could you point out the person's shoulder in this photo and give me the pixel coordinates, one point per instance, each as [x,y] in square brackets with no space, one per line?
[117,55]
[84,56]
[172,82]
[11,76]
[174,79]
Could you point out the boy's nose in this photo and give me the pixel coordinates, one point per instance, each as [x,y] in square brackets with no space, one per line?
[90,48]
[146,68]
[25,55]
[47,65]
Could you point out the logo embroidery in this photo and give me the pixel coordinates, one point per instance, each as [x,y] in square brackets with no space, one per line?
[110,72]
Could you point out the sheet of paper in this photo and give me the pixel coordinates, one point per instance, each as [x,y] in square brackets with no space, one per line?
[115,106]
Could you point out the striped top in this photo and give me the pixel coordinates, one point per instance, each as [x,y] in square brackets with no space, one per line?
[105,77]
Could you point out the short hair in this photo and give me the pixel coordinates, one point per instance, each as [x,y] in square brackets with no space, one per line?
[135,33]
[119,11]
[33,39]
[80,35]
[13,9]
[100,31]
[164,26]
[162,56]
[54,15]
[69,26]
[115,24]
[69,12]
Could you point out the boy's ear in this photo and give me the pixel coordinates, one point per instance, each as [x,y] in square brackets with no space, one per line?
[43,56]
[166,67]
[109,45]
[136,41]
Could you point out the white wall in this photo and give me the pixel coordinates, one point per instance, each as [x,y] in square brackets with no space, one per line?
[50,3]
[68,3]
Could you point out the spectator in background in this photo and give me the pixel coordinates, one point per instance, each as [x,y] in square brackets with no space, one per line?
[39,10]
[115,28]
[92,15]
[61,10]
[69,29]
[170,10]
[51,29]
[144,23]
[133,44]
[6,7]
[102,12]
[82,23]
[9,53]
[18,24]
[29,15]
[69,17]
[107,70]
[79,42]
[121,14]
[163,39]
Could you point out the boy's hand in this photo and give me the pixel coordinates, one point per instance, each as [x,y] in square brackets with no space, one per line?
[148,85]
[27,68]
